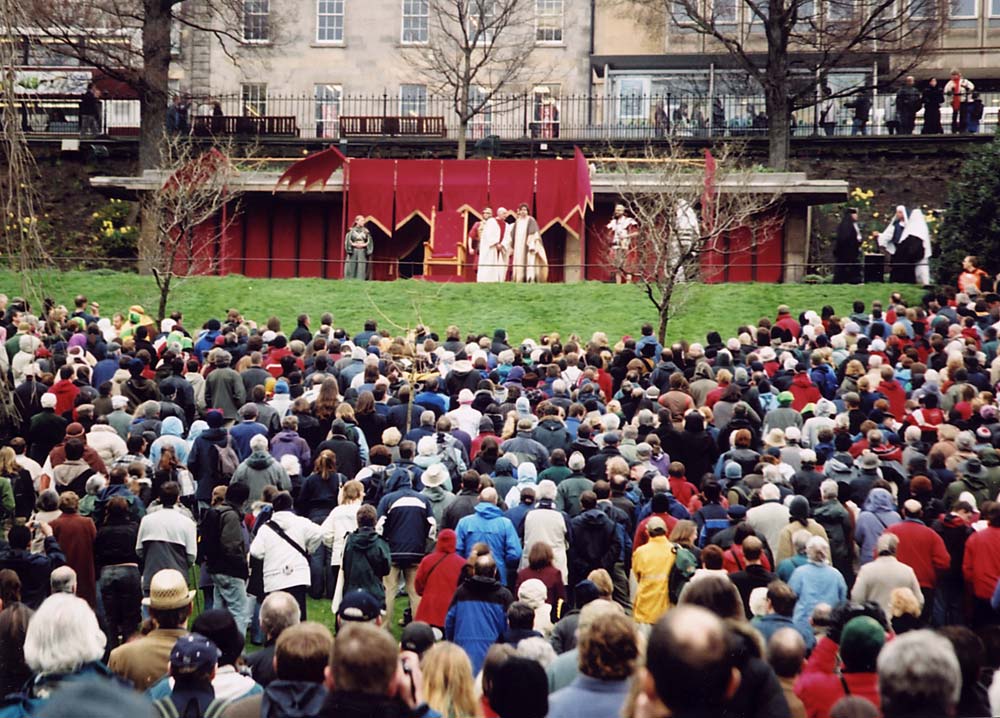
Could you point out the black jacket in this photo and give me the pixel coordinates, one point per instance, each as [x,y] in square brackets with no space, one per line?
[115,543]
[222,545]
[595,544]
[34,569]
[348,454]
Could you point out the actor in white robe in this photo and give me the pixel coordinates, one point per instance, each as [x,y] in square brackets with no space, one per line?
[492,258]
[524,228]
[917,227]
[622,228]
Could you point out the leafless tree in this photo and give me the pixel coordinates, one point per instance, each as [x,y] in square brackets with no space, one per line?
[190,214]
[130,41]
[683,211]
[476,51]
[790,47]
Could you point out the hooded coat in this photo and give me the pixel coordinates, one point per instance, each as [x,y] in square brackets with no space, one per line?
[366,560]
[477,617]
[596,543]
[437,578]
[289,442]
[260,470]
[488,524]
[406,520]
[878,514]
[171,434]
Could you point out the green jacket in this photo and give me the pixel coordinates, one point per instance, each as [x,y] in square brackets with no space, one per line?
[366,561]
[6,498]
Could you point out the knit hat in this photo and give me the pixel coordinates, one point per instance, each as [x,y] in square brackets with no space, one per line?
[860,643]
[798,508]
[117,401]
[733,470]
[585,592]
[532,592]
[48,401]
[214,418]
[136,367]
[576,461]
[466,396]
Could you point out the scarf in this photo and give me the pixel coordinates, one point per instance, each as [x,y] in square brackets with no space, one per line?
[956,94]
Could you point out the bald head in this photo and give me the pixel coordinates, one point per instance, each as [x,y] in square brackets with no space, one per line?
[785,652]
[689,661]
[489,495]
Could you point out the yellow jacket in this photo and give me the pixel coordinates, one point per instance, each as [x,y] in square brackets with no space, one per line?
[651,565]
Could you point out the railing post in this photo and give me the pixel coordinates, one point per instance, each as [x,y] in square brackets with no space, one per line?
[525,114]
[385,110]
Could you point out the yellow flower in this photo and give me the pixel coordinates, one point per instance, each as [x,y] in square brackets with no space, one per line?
[875,215]
[95,215]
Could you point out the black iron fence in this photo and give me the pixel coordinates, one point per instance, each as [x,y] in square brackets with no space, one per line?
[329,115]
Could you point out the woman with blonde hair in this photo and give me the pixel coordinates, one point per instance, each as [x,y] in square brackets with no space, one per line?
[449,686]
[341,522]
[904,610]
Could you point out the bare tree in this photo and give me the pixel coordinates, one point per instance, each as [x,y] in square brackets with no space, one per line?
[190,214]
[790,47]
[682,210]
[476,50]
[130,41]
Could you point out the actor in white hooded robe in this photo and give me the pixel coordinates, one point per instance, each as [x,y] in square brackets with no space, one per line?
[492,257]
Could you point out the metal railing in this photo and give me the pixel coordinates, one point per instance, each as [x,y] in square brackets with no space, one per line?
[510,117]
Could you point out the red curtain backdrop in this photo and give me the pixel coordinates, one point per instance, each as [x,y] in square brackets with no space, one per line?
[418,189]
[511,183]
[556,194]
[465,185]
[370,186]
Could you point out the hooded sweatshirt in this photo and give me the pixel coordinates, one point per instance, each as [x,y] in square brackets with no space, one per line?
[171,434]
[292,699]
[878,514]
[406,520]
[437,578]
[366,560]
[260,470]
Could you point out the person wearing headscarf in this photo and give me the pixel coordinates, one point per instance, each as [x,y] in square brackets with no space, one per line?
[846,248]
[890,239]
[912,252]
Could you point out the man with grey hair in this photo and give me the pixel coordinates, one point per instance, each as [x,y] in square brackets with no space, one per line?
[224,388]
[877,579]
[278,611]
[247,428]
[800,539]
[260,470]
[918,675]
[524,447]
[63,580]
[487,524]
[771,516]
[838,523]
[572,487]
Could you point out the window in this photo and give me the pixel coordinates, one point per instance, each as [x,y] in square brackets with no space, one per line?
[962,9]
[256,20]
[839,10]
[994,8]
[683,12]
[327,109]
[482,15]
[481,124]
[254,96]
[632,98]
[724,12]
[329,20]
[412,100]
[548,21]
[805,14]
[51,54]
[921,9]
[416,16]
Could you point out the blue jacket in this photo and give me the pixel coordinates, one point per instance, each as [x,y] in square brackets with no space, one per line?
[477,617]
[771,623]
[203,461]
[489,525]
[815,583]
[588,697]
[406,519]
[242,433]
[204,344]
[34,569]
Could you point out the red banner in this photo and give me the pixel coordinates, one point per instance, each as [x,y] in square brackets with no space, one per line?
[556,195]
[311,170]
[465,185]
[370,186]
[418,188]
[511,183]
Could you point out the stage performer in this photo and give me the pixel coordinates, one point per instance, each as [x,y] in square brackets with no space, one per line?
[358,247]
[889,240]
[623,228]
[524,228]
[538,260]
[492,256]
[916,246]
[846,269]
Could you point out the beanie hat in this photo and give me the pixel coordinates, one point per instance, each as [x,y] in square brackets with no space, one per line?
[860,643]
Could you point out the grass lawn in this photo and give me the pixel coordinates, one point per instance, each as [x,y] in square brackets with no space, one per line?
[523,310]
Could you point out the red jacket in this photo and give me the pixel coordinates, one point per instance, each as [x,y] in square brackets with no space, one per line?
[437,579]
[683,490]
[981,564]
[896,396]
[733,560]
[65,392]
[819,687]
[642,536]
[804,391]
[922,549]
[787,321]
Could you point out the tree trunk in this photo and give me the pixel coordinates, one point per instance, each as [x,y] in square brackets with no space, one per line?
[161,311]
[661,329]
[463,128]
[779,129]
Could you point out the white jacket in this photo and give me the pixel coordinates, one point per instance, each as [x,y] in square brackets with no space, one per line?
[548,526]
[284,567]
[342,521]
[104,439]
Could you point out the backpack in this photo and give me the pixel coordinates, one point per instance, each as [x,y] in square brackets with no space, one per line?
[681,572]
[226,462]
[165,708]
[709,529]
[448,459]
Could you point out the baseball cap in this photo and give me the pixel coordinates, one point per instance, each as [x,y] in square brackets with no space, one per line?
[193,653]
[417,637]
[359,605]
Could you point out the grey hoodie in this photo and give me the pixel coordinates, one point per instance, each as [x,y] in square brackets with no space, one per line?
[260,470]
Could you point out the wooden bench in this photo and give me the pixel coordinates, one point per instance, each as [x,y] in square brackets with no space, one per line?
[380,126]
[271,126]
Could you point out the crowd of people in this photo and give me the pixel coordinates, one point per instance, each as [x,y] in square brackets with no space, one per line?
[801,519]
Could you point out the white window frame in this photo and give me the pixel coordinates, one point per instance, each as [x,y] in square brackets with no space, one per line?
[481,125]
[266,15]
[404,15]
[343,25]
[321,102]
[474,13]
[640,99]
[973,16]
[253,94]
[422,101]
[830,6]
[991,13]
[547,9]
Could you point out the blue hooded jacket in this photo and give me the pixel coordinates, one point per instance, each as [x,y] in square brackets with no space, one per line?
[879,513]
[406,520]
[171,434]
[477,617]
[490,526]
